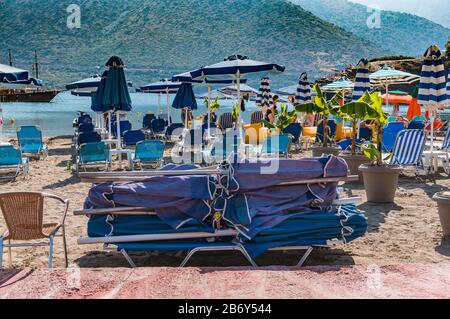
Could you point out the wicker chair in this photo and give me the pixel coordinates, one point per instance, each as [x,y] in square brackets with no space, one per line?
[24,213]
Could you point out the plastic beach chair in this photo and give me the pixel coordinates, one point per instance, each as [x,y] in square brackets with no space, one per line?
[446,148]
[256,117]
[147,121]
[390,133]
[332,126]
[87,127]
[131,138]
[174,132]
[295,130]
[125,125]
[225,121]
[94,154]
[149,153]
[276,145]
[223,147]
[30,141]
[24,214]
[416,125]
[158,128]
[408,148]
[11,160]
[88,137]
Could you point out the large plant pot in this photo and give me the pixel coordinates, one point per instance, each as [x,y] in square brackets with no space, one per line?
[380,182]
[443,201]
[353,162]
[317,151]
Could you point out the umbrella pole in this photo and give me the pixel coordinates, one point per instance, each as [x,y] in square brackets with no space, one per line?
[159,103]
[209,110]
[168,106]
[109,125]
[432,133]
[119,144]
[387,94]
[238,83]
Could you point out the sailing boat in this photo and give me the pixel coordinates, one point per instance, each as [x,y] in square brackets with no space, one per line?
[17,86]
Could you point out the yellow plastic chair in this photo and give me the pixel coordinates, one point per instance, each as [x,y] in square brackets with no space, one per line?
[255,134]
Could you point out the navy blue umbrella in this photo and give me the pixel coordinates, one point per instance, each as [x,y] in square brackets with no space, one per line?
[185,98]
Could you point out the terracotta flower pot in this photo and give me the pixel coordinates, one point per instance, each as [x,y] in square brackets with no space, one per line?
[353,162]
[443,200]
[317,151]
[380,182]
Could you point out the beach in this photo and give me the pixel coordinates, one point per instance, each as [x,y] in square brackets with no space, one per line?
[408,231]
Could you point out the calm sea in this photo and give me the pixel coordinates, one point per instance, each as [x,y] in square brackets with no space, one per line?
[56,118]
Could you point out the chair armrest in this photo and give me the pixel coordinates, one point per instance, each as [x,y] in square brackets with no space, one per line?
[63,200]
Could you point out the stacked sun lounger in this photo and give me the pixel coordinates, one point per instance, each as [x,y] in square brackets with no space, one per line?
[249,206]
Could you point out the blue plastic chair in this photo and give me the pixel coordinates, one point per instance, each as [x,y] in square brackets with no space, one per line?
[276,145]
[149,152]
[408,148]
[416,125]
[30,141]
[295,130]
[125,125]
[131,138]
[158,127]
[147,121]
[84,119]
[222,148]
[174,132]
[332,125]
[446,143]
[166,118]
[88,137]
[86,127]
[11,159]
[365,133]
[93,154]
[389,136]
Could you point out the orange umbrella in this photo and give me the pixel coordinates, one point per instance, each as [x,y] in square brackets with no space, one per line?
[414,107]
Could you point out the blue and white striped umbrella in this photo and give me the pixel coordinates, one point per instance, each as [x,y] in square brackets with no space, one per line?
[264,98]
[432,87]
[362,80]
[339,85]
[303,94]
[448,90]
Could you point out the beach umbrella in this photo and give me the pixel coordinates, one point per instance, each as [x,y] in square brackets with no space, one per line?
[432,91]
[236,67]
[388,76]
[116,97]
[185,99]
[362,80]
[447,102]
[233,89]
[264,97]
[342,85]
[161,87]
[303,94]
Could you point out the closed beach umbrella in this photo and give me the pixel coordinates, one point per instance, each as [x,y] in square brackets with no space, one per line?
[303,94]
[264,98]
[362,81]
[185,99]
[97,98]
[447,102]
[116,97]
[432,87]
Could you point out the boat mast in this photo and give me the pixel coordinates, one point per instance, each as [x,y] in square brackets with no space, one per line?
[10,57]
[36,64]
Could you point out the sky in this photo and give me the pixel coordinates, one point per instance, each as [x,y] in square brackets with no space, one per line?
[435,10]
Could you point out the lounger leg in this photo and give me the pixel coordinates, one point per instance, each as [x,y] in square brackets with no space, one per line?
[1,253]
[189,255]
[246,255]
[128,258]
[9,254]
[50,254]
[305,256]
[65,246]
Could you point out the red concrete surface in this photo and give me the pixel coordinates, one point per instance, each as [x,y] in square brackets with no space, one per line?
[397,281]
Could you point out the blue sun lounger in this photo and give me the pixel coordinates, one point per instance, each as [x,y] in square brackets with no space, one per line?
[408,149]
[12,161]
[30,141]
[149,153]
[94,155]
[223,208]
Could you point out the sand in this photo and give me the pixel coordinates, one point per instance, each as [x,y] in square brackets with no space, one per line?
[405,232]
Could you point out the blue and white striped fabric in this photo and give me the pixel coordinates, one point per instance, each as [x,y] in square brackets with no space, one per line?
[432,90]
[387,75]
[446,144]
[362,80]
[303,94]
[339,85]
[409,147]
[447,102]
[264,98]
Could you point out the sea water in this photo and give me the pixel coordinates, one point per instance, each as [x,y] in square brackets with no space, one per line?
[55,118]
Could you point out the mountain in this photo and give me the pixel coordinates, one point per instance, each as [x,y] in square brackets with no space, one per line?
[401,33]
[158,38]
[434,10]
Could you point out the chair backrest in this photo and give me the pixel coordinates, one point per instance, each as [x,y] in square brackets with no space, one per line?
[147,121]
[174,128]
[409,147]
[416,125]
[194,138]
[149,150]
[389,136]
[9,155]
[86,127]
[446,143]
[365,133]
[125,125]
[130,138]
[226,145]
[277,144]
[93,152]
[333,127]
[165,117]
[88,137]
[225,121]
[158,125]
[23,213]
[295,129]
[84,119]
[256,117]
[30,136]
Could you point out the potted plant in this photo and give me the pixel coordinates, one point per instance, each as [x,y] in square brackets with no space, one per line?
[325,107]
[283,119]
[363,109]
[380,178]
